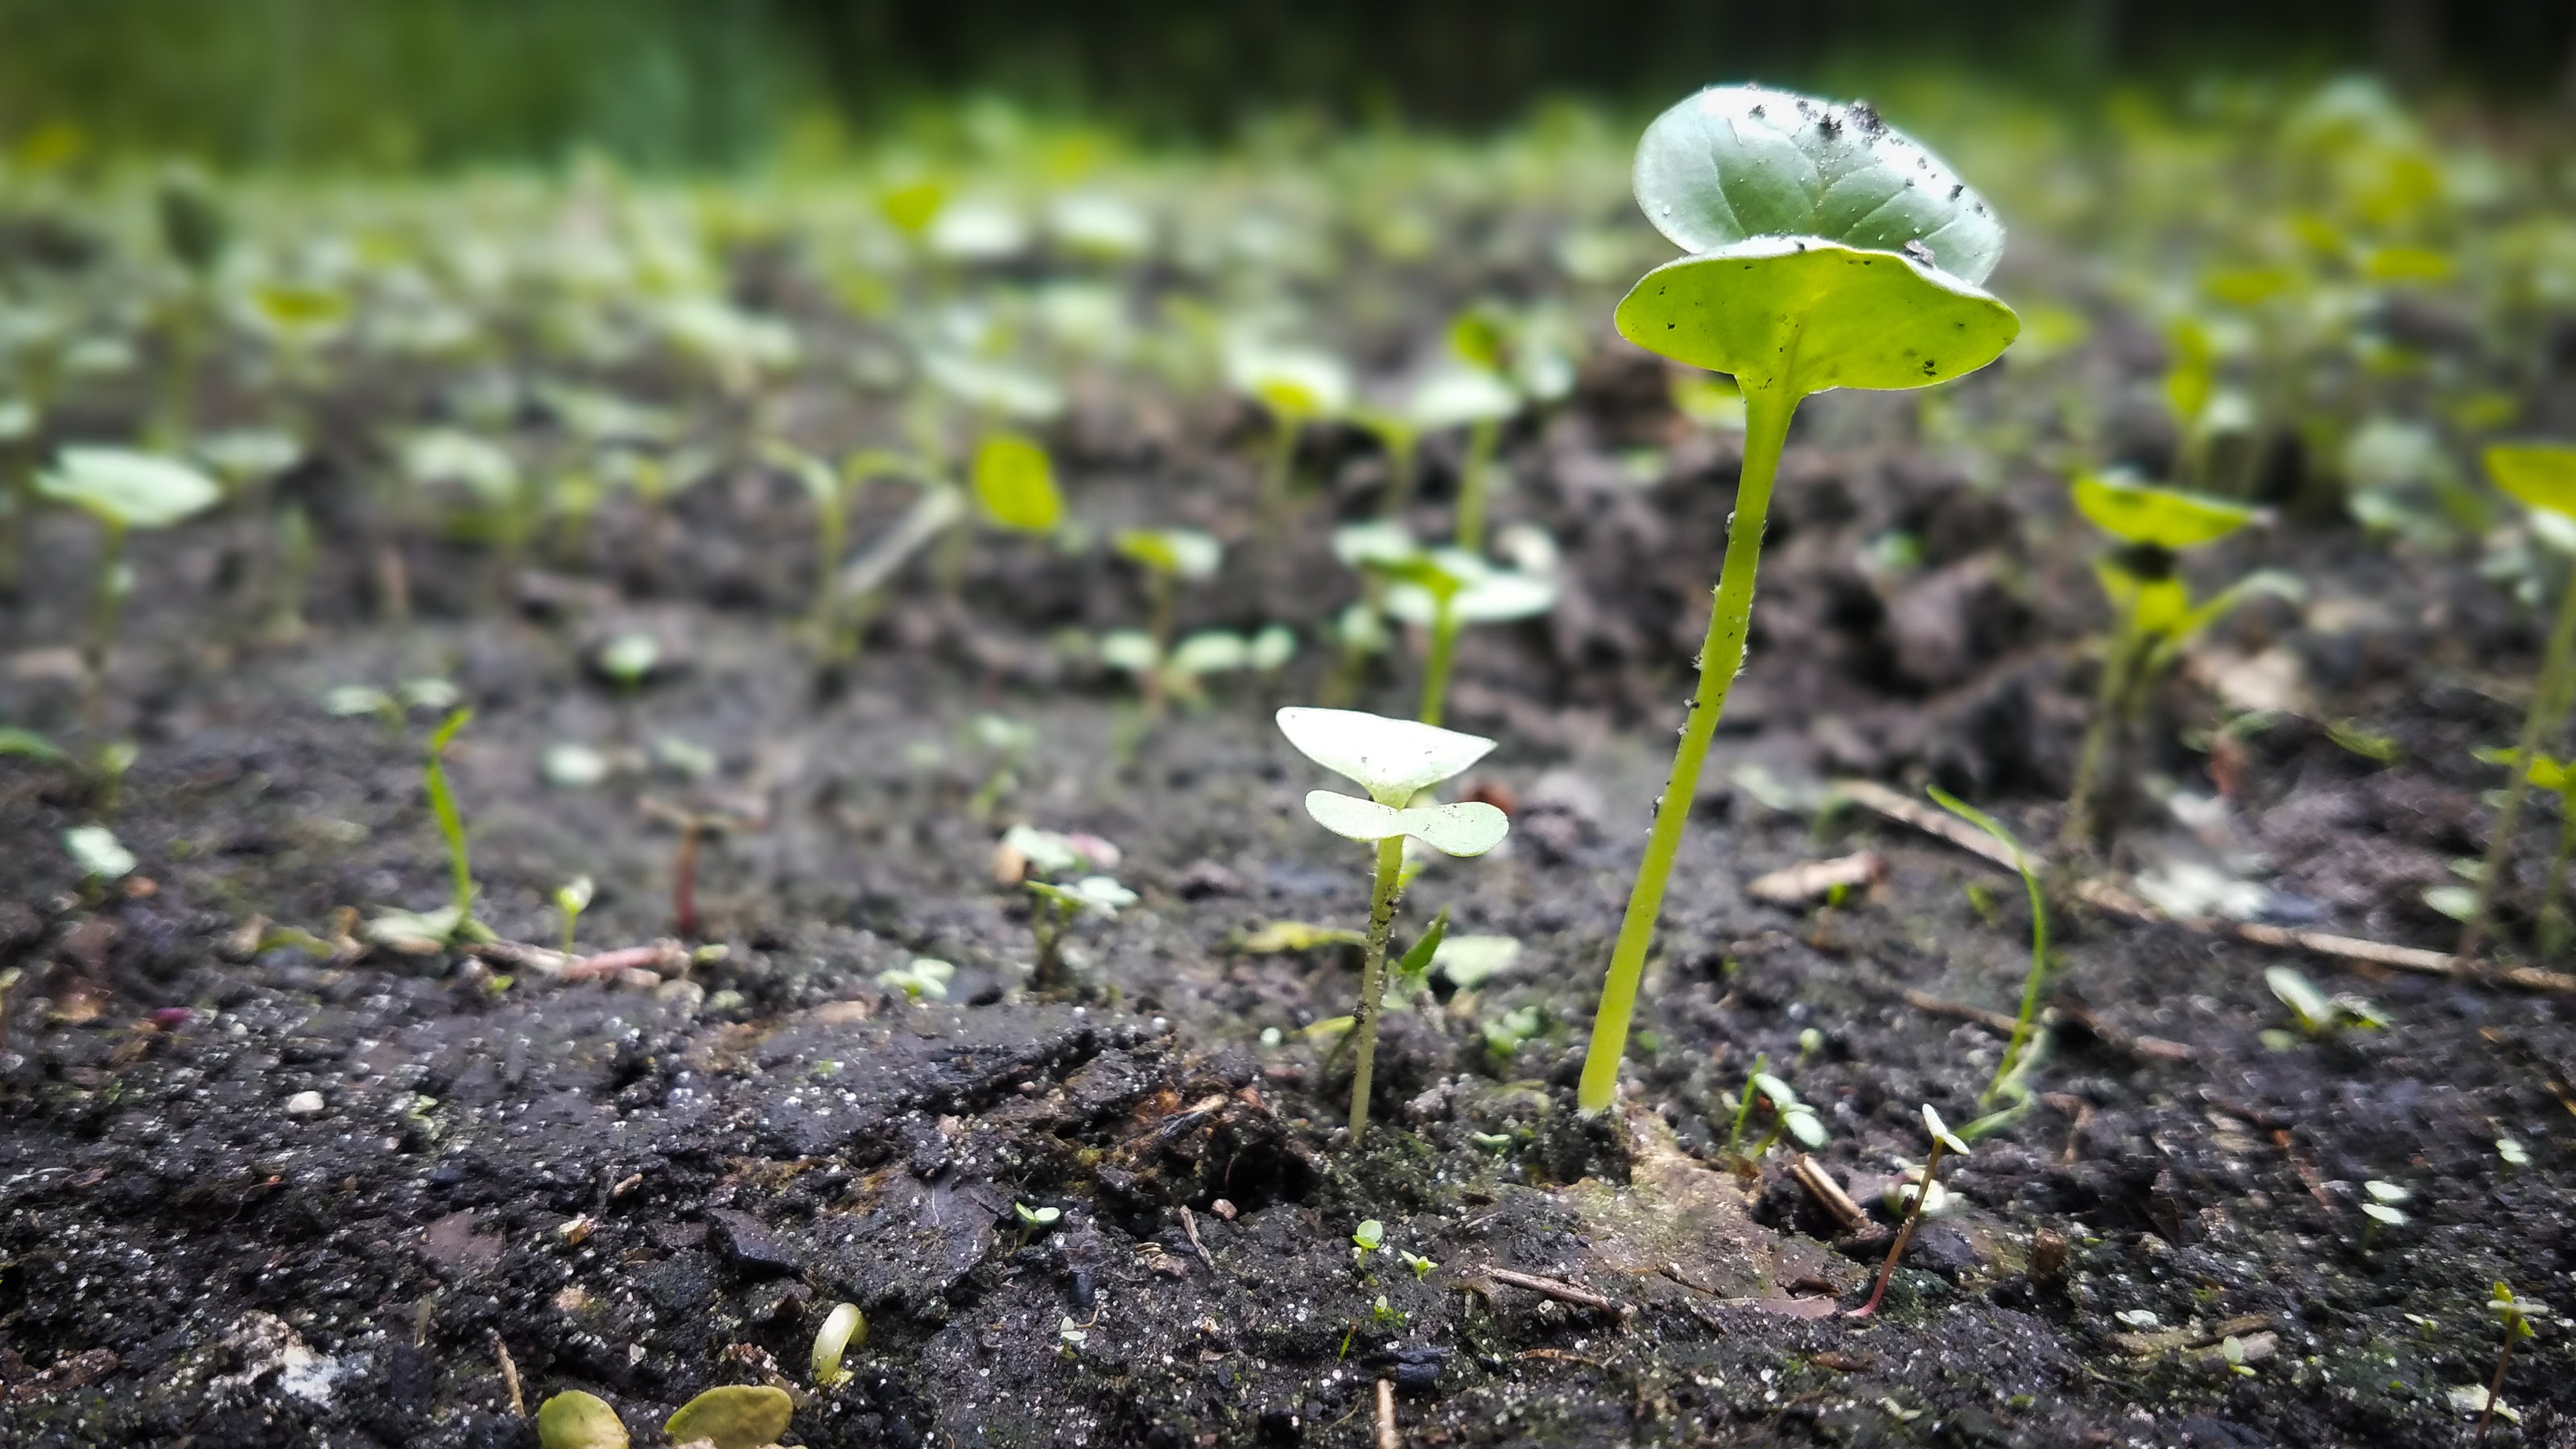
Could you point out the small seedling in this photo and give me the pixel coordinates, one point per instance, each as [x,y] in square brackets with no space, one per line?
[628,660]
[124,491]
[1367,1238]
[1789,1116]
[2558,777]
[575,1420]
[1297,388]
[2381,1207]
[100,856]
[2316,1014]
[922,976]
[2029,871]
[1441,591]
[1056,909]
[1035,1223]
[2153,618]
[1744,1103]
[845,1328]
[695,827]
[1942,1140]
[2517,1316]
[1422,1267]
[1169,556]
[434,930]
[1831,251]
[736,1416]
[571,899]
[1477,399]
[1396,761]
[2541,477]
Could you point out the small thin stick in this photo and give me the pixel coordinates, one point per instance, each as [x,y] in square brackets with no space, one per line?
[1931,820]
[1562,1292]
[1931,1005]
[1828,1193]
[510,1376]
[1387,1438]
[1190,1225]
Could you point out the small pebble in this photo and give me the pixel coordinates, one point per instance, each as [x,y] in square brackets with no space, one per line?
[304,1104]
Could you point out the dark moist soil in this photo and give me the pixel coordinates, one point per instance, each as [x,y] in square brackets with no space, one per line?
[645,1187]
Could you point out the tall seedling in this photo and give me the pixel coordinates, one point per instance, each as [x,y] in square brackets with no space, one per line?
[2542,477]
[1828,251]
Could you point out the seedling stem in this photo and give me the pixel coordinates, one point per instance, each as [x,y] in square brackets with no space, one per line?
[1382,899]
[2545,709]
[1475,475]
[1767,409]
[451,824]
[1436,665]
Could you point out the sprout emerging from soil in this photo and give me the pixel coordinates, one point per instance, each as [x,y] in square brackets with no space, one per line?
[1942,1140]
[1055,911]
[2541,477]
[124,491]
[1367,1238]
[1035,1223]
[922,976]
[1297,387]
[571,899]
[2153,617]
[1789,1116]
[1441,591]
[1477,399]
[2517,1316]
[1169,556]
[843,1329]
[100,856]
[2558,777]
[2029,871]
[2315,1013]
[1810,223]
[1396,761]
[425,931]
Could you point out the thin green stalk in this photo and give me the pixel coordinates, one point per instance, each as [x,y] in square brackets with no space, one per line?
[2110,698]
[1279,474]
[106,606]
[1436,664]
[1403,465]
[1475,480]
[1162,589]
[1390,872]
[2029,1013]
[451,824]
[2535,723]
[2554,930]
[1767,411]
[1744,1104]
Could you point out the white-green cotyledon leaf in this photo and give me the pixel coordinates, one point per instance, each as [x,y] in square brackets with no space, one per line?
[1807,314]
[1392,758]
[1470,827]
[1733,163]
[127,488]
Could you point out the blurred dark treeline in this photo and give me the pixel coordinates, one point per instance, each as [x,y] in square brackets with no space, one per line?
[705,83]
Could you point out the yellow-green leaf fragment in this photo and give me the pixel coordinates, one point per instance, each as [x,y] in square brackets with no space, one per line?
[736,1416]
[1015,483]
[575,1420]
[2539,475]
[2165,517]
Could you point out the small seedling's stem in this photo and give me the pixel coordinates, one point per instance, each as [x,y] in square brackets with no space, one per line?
[1436,664]
[1161,587]
[1281,472]
[2554,929]
[684,879]
[1048,922]
[1766,430]
[1403,466]
[1744,1104]
[451,823]
[2495,1390]
[2029,1013]
[2083,827]
[107,603]
[1390,871]
[1904,1233]
[1475,480]
[2544,711]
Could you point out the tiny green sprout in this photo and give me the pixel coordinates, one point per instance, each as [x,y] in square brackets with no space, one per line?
[1481,401]
[1744,1102]
[1468,962]
[1505,1034]
[1789,1116]
[1395,760]
[101,858]
[2513,1152]
[571,899]
[2519,1316]
[2541,477]
[1015,484]
[2024,1020]
[1384,1314]
[575,1420]
[1442,591]
[1008,744]
[2153,619]
[349,701]
[629,659]
[451,824]
[1942,1140]
[923,976]
[2558,777]
[1367,1238]
[1828,251]
[844,1328]
[1810,1042]
[736,1416]
[1298,387]
[1056,909]
[1035,1222]
[27,744]
[124,490]
[2317,1014]
[1169,556]
[1422,1267]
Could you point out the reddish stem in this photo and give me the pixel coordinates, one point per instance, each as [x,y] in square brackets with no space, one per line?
[684,884]
[1896,1250]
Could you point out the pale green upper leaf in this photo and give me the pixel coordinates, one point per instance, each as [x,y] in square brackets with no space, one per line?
[1456,396]
[1016,484]
[127,488]
[2542,475]
[1469,827]
[1391,757]
[1808,314]
[2165,517]
[1737,162]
